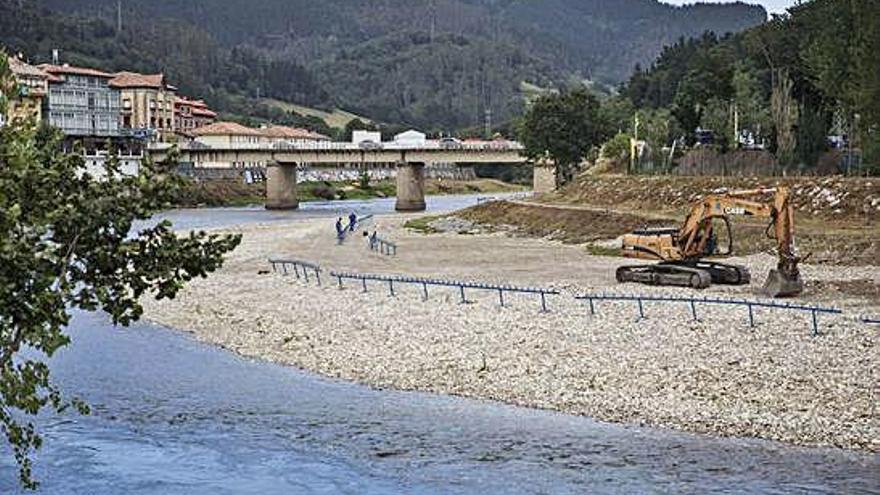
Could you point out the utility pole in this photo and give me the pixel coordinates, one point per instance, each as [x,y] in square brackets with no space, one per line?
[735,126]
[488,123]
[433,14]
[634,143]
[118,17]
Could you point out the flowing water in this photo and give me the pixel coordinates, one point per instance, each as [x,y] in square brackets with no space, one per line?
[174,416]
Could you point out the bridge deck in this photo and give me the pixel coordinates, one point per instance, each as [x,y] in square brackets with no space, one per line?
[348,153]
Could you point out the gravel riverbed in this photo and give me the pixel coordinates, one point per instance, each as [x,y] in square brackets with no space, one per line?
[716,375]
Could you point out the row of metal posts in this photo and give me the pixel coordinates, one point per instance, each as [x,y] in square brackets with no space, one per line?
[692,302]
[590,298]
[501,289]
[383,246]
[305,266]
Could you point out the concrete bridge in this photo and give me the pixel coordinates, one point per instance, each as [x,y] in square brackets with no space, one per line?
[282,161]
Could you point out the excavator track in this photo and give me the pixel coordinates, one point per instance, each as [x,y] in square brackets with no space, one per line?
[723,273]
[697,275]
[665,274]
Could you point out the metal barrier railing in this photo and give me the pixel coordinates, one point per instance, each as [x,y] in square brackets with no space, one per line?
[426,282]
[360,222]
[297,265]
[381,245]
[693,302]
[302,269]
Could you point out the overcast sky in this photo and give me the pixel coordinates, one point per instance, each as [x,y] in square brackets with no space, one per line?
[773,6]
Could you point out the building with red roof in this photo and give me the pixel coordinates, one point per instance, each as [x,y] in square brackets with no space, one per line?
[147,104]
[81,101]
[231,135]
[190,115]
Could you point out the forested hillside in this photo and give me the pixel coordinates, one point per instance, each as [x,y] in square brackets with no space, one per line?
[430,62]
[789,83]
[191,58]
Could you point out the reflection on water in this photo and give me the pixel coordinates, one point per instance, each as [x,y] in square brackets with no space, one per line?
[173,416]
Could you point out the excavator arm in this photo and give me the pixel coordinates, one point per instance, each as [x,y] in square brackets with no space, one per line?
[697,229]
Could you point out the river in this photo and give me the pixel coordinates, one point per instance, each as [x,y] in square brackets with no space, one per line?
[174,416]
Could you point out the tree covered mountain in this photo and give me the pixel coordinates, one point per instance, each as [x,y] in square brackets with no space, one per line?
[424,62]
[192,58]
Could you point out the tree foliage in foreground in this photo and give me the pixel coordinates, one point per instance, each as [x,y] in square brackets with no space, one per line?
[66,243]
[564,127]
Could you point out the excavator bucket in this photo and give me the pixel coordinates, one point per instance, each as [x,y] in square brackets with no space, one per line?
[779,284]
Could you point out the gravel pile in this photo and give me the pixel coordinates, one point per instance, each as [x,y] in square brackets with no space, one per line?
[717,376]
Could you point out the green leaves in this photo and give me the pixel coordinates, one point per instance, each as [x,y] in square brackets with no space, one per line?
[66,242]
[563,127]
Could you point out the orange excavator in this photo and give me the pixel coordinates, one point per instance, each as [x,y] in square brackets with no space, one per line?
[682,252]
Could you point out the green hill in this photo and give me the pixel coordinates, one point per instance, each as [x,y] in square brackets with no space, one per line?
[427,63]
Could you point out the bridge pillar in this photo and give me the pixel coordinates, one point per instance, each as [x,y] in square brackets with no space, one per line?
[410,187]
[281,186]
[544,178]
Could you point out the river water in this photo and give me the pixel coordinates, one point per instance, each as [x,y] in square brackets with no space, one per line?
[174,416]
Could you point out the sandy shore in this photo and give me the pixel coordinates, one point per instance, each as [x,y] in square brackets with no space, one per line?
[717,376]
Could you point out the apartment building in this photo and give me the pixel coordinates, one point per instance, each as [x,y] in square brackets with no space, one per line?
[190,115]
[81,101]
[147,105]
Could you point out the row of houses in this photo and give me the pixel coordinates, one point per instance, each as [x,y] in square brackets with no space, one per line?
[130,110]
[90,103]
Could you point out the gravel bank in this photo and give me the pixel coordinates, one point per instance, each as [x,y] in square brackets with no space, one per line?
[716,376]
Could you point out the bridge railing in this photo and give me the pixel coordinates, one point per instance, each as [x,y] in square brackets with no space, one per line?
[430,282]
[334,146]
[298,266]
[693,302]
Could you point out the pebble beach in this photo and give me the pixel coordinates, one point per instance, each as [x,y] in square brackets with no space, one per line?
[716,376]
